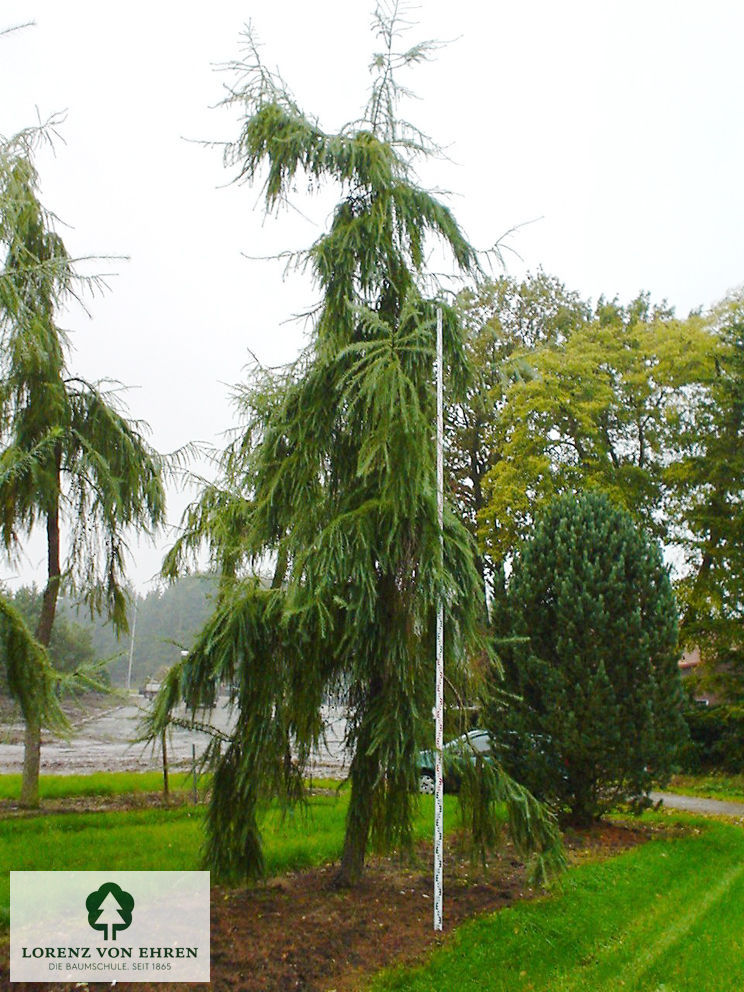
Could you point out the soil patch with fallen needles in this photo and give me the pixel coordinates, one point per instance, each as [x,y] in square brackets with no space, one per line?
[95,804]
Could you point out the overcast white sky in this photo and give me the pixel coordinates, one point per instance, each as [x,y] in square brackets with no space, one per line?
[619,124]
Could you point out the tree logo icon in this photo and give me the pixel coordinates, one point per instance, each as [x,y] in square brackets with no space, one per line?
[109,909]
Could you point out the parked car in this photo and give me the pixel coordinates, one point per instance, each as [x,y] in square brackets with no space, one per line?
[454,753]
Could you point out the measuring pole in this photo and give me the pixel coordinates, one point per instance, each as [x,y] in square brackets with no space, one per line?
[439,701]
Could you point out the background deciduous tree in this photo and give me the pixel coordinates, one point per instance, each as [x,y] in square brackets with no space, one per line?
[598,413]
[624,399]
[705,479]
[504,322]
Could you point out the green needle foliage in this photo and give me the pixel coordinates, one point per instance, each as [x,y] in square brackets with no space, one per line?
[69,459]
[597,713]
[334,476]
[31,680]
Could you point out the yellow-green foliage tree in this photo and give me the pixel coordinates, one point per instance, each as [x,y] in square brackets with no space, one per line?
[504,322]
[599,412]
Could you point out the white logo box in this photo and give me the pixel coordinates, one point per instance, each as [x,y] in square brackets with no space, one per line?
[109,926]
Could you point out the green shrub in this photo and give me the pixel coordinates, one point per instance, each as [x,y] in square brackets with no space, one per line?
[716,739]
[597,716]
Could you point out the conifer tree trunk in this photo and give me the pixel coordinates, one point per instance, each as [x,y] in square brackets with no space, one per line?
[362,775]
[32,737]
[31,761]
[365,765]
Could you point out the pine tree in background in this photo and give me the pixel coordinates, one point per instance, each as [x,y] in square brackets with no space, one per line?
[597,717]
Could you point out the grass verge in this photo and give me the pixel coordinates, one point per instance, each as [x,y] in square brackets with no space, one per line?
[96,784]
[170,839]
[665,917]
[712,786]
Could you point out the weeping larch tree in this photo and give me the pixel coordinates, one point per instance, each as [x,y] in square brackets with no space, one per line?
[70,461]
[334,478]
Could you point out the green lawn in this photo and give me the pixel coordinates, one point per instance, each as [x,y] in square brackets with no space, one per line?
[712,786]
[170,839]
[665,917]
[96,784]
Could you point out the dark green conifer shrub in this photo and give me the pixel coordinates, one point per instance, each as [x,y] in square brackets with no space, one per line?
[592,661]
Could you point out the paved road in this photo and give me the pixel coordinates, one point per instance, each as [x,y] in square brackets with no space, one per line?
[696,804]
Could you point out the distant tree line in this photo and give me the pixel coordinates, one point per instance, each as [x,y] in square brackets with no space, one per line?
[167,621]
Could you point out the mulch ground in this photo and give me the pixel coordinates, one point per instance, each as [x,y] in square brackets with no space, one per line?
[299,933]
[95,804]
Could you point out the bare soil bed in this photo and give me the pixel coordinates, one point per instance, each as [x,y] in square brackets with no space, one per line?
[298,932]
[95,804]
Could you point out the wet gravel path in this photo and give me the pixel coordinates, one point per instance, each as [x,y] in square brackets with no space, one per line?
[697,804]
[105,740]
